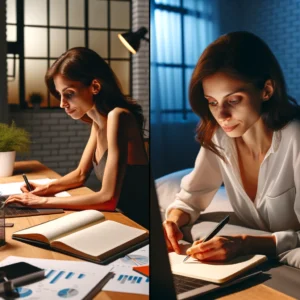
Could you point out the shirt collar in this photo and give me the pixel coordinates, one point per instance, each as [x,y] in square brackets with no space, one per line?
[275,141]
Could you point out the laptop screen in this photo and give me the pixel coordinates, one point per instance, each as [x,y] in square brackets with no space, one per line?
[162,286]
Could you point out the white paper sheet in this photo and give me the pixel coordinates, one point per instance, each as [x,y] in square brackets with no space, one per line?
[138,257]
[126,280]
[14,188]
[64,279]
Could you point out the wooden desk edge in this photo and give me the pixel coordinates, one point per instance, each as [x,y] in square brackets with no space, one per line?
[41,171]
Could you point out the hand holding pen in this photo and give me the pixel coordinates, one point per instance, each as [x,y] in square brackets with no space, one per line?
[36,189]
[27,183]
[194,249]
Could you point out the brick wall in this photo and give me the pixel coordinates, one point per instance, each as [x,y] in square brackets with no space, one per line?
[140,61]
[57,139]
[277,22]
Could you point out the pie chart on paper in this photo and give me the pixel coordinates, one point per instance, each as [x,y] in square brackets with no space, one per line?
[24,292]
[67,293]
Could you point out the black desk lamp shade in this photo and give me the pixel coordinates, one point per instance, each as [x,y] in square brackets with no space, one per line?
[132,40]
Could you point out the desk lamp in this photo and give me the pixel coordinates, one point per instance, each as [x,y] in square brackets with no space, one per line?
[132,40]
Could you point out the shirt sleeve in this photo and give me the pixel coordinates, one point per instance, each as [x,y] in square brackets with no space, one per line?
[289,239]
[198,187]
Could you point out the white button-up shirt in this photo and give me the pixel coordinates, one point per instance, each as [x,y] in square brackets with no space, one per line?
[276,207]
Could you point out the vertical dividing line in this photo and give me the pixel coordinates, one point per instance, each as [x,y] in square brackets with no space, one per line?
[86,23]
[48,46]
[130,54]
[184,112]
[108,31]
[67,24]
[20,41]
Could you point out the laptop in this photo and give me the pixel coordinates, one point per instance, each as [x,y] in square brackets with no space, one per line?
[17,210]
[164,284]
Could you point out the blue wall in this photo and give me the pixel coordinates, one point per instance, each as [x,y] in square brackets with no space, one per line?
[277,22]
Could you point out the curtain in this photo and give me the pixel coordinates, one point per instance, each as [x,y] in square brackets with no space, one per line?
[180,31]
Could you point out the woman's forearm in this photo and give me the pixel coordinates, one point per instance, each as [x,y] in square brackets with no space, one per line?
[259,245]
[179,217]
[97,200]
[71,180]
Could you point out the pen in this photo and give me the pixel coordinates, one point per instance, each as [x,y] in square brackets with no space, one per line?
[213,232]
[7,286]
[27,183]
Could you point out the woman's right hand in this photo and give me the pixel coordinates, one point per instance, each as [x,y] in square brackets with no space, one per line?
[172,235]
[37,189]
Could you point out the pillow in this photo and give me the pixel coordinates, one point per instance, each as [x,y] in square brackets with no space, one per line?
[169,185]
[290,257]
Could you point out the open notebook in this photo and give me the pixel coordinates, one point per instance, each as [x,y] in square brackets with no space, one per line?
[85,234]
[216,272]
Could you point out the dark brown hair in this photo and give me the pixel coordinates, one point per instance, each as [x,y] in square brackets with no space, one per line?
[245,56]
[85,65]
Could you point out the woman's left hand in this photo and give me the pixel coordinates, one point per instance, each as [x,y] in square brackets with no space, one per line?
[27,199]
[219,248]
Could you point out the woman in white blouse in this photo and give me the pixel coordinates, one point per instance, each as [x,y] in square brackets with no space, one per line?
[250,138]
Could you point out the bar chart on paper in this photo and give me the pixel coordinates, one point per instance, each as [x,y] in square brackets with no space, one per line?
[56,275]
[128,281]
[63,280]
[131,279]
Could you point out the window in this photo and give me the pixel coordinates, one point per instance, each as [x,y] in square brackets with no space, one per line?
[39,31]
[180,32]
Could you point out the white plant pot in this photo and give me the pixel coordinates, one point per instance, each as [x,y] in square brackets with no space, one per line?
[7,160]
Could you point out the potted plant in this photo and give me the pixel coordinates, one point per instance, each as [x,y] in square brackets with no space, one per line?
[12,139]
[36,99]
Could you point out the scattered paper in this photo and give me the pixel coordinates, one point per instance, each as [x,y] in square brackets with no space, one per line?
[64,279]
[138,257]
[14,188]
[125,279]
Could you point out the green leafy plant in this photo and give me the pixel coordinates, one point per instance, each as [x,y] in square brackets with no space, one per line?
[35,98]
[13,138]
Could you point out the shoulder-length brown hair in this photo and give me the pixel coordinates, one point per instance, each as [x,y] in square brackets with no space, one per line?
[245,56]
[85,65]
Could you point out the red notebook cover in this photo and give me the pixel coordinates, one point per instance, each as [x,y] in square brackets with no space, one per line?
[144,270]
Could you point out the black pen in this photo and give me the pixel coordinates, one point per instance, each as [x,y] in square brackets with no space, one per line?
[27,183]
[213,232]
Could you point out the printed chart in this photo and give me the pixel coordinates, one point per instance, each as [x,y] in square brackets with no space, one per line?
[131,279]
[23,292]
[126,280]
[67,293]
[139,257]
[63,279]
[54,275]
[135,260]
